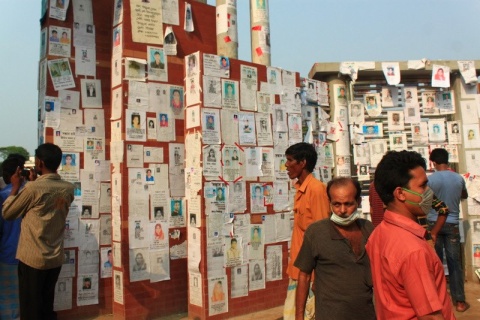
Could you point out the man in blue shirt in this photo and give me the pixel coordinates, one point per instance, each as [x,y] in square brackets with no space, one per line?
[9,235]
[449,187]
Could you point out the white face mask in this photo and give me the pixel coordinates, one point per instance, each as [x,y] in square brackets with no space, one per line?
[344,221]
[427,198]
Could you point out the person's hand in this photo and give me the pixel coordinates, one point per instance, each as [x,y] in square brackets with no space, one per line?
[16,180]
[33,174]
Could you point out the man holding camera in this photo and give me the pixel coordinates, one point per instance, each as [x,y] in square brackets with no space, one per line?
[43,204]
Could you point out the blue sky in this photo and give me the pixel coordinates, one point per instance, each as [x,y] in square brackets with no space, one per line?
[303,32]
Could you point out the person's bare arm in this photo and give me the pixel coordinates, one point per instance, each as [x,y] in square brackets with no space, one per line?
[301,295]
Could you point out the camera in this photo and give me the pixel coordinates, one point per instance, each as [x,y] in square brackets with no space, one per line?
[25,173]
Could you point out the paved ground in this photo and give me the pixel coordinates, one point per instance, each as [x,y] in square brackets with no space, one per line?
[472,291]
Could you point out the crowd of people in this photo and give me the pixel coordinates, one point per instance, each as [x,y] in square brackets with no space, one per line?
[339,263]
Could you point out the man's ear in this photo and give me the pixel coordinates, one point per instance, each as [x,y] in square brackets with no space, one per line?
[399,194]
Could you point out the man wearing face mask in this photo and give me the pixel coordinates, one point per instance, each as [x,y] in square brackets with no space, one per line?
[408,278]
[335,249]
[450,187]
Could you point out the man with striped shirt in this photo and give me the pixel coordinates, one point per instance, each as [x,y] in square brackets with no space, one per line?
[43,204]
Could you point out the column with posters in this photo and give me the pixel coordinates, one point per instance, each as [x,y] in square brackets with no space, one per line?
[243,170]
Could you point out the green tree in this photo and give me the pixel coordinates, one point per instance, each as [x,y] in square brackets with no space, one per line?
[5,151]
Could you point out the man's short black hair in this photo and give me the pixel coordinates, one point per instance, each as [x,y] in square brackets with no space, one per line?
[10,165]
[439,156]
[303,151]
[394,171]
[233,240]
[50,154]
[344,181]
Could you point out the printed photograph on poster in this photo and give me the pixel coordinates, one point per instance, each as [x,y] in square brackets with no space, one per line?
[216,66]
[372,129]
[246,128]
[445,101]
[469,111]
[237,201]
[419,133]
[410,96]
[311,86]
[84,34]
[234,253]
[279,118]
[340,94]
[294,128]
[363,173]
[264,102]
[389,96]
[436,130]
[264,129]
[395,121]
[106,262]
[230,94]
[87,289]
[170,41]
[453,132]
[139,268]
[91,93]
[176,101]
[423,151]
[159,266]
[391,71]
[59,41]
[211,161]
[411,113]
[192,117]
[151,129]
[256,274]
[428,103]
[158,235]
[471,136]
[342,166]
[212,96]
[256,242]
[440,76]
[61,74]
[58,9]
[356,112]
[373,104]
[157,64]
[452,153]
[377,149]
[135,69]
[218,295]
[239,283]
[118,286]
[63,294]
[117,40]
[69,168]
[232,162]
[211,126]
[177,214]
[192,64]
[398,141]
[362,153]
[135,122]
[356,134]
[257,199]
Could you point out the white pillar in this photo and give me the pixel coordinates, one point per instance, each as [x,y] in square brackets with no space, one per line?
[227,32]
[260,32]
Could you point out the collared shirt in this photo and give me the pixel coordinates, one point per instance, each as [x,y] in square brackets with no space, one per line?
[311,204]
[448,186]
[376,205]
[338,271]
[408,277]
[44,204]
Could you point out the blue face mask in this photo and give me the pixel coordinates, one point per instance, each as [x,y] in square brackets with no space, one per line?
[425,203]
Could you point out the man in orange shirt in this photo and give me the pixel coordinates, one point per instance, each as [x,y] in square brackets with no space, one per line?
[311,204]
[408,277]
